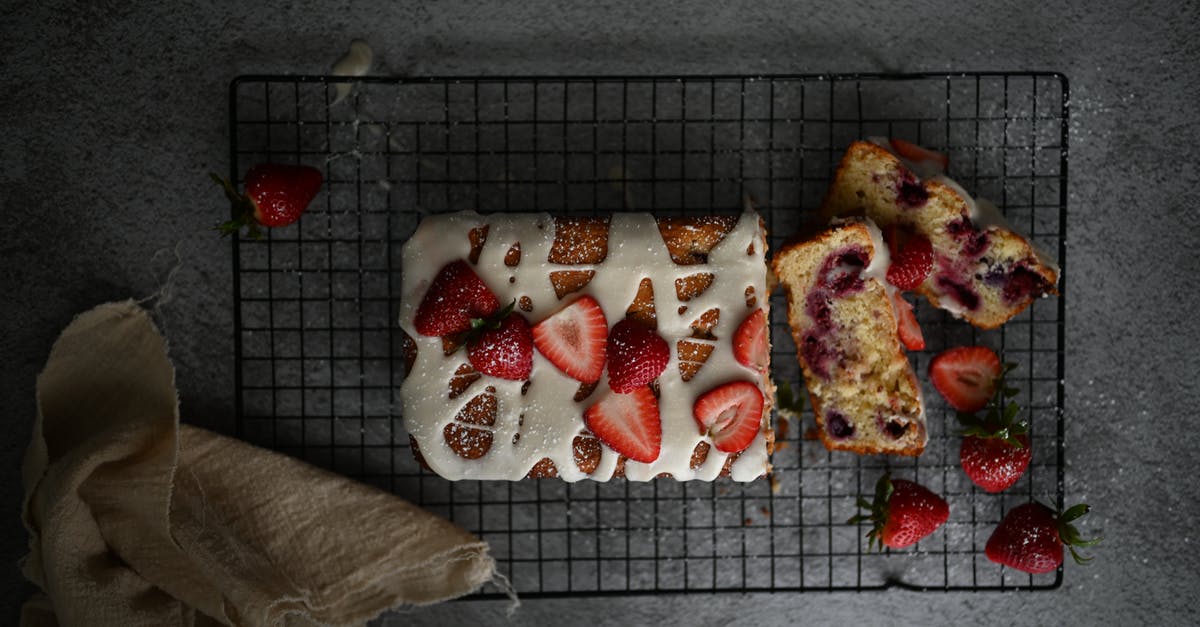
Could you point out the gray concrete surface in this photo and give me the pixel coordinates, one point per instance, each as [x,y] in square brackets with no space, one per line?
[112,113]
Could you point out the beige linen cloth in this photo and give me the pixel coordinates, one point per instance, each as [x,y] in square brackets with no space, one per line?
[135,519]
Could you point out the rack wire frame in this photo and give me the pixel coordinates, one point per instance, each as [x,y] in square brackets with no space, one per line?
[317,347]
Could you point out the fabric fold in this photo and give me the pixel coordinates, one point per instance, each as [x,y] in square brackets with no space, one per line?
[137,520]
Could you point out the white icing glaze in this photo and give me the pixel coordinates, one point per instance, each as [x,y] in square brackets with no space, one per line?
[881,258]
[548,415]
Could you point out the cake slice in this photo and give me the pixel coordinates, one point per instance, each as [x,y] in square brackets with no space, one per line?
[983,271]
[864,394]
[635,346]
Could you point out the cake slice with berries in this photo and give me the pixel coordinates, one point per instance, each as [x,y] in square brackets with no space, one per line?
[863,392]
[587,348]
[982,271]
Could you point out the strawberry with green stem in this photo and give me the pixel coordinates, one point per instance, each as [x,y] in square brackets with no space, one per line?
[995,449]
[276,195]
[501,345]
[902,513]
[1031,538]
[458,305]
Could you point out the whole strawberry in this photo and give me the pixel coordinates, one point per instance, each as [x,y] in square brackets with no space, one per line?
[994,464]
[504,348]
[903,513]
[995,448]
[276,195]
[455,300]
[636,356]
[1031,538]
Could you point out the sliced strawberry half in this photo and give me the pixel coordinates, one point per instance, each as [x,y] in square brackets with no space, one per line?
[730,414]
[966,376]
[906,323]
[912,261]
[917,154]
[750,345]
[628,423]
[574,339]
[455,296]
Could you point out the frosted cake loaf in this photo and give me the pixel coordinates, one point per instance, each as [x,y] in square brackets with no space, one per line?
[682,301]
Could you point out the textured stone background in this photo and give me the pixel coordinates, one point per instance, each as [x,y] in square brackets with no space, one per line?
[111,115]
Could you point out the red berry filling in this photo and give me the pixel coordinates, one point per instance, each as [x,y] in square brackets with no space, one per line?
[817,354]
[893,427]
[1023,283]
[960,292]
[837,426]
[817,308]
[972,240]
[975,243]
[910,194]
[816,349]
[842,271]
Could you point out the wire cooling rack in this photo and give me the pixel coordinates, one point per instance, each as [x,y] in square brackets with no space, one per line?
[318,361]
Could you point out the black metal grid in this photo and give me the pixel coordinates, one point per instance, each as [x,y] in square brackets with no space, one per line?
[317,341]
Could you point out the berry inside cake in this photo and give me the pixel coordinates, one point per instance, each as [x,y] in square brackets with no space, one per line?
[864,394]
[983,271]
[587,348]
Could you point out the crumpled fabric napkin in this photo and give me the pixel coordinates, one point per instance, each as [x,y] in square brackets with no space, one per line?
[135,519]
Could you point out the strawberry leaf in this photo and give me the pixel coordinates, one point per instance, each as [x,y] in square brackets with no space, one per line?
[876,512]
[493,321]
[1070,535]
[1074,513]
[883,489]
[1079,559]
[1000,420]
[786,402]
[241,211]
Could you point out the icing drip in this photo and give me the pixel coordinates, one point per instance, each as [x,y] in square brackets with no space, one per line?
[546,416]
